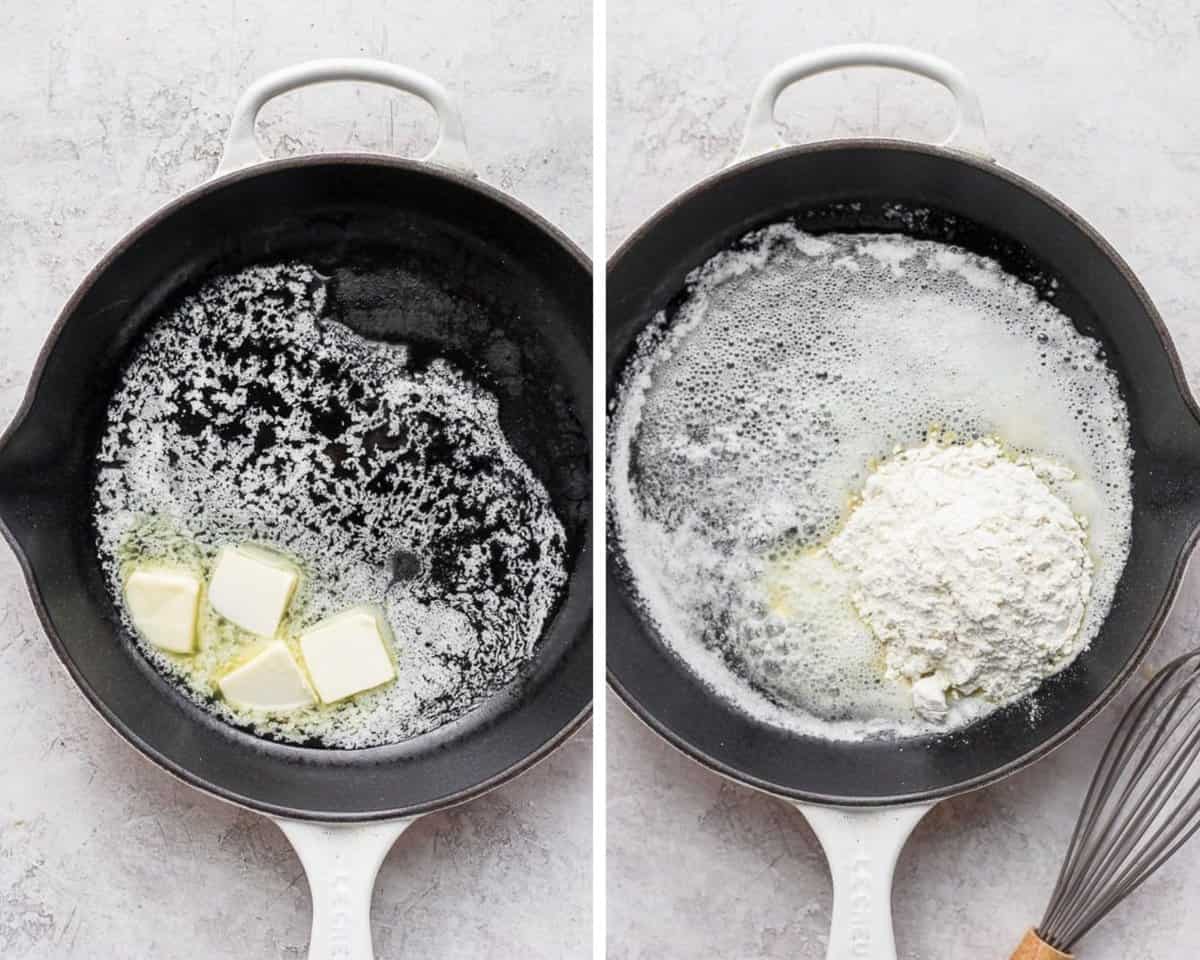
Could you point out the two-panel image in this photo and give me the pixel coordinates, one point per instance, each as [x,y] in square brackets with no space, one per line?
[546,481]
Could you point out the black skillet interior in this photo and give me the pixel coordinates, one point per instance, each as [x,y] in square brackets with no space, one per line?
[448,266]
[891,187]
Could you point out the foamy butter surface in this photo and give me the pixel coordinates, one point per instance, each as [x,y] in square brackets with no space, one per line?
[247,413]
[746,422]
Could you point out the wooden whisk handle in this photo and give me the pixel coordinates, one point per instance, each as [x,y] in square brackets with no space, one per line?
[1034,947]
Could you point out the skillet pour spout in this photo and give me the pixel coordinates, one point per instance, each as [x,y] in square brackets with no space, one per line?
[1173,477]
[13,478]
[31,468]
[1165,434]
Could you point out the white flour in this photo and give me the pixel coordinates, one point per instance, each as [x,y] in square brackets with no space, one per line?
[969,569]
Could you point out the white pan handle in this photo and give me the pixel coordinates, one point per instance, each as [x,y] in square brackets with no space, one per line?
[762,133]
[862,846]
[241,146]
[341,862]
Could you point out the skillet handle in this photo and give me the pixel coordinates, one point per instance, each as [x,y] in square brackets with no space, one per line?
[862,846]
[762,133]
[341,862]
[241,147]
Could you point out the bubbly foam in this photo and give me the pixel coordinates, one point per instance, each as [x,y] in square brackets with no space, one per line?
[249,413]
[745,422]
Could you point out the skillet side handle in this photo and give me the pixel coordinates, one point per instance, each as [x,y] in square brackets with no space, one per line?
[241,146]
[762,133]
[862,846]
[341,862]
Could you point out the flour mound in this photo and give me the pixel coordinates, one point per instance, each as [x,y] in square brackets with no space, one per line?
[971,572]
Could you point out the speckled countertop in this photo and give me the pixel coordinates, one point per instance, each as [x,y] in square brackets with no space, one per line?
[1097,101]
[108,110]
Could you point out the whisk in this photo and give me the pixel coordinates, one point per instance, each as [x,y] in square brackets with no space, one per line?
[1142,806]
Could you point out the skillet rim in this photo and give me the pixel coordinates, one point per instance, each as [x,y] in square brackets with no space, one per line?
[1138,653]
[29,400]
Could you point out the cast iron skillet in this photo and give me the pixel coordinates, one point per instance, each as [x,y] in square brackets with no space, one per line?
[413,248]
[962,198]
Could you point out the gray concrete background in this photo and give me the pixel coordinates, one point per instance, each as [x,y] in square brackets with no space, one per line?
[107,111]
[1097,101]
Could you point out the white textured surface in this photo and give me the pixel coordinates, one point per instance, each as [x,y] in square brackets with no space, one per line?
[108,110]
[1096,101]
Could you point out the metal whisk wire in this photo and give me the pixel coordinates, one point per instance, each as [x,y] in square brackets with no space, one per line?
[1143,804]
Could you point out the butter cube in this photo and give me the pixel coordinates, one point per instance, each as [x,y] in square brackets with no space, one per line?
[347,653]
[252,587]
[162,602]
[270,681]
